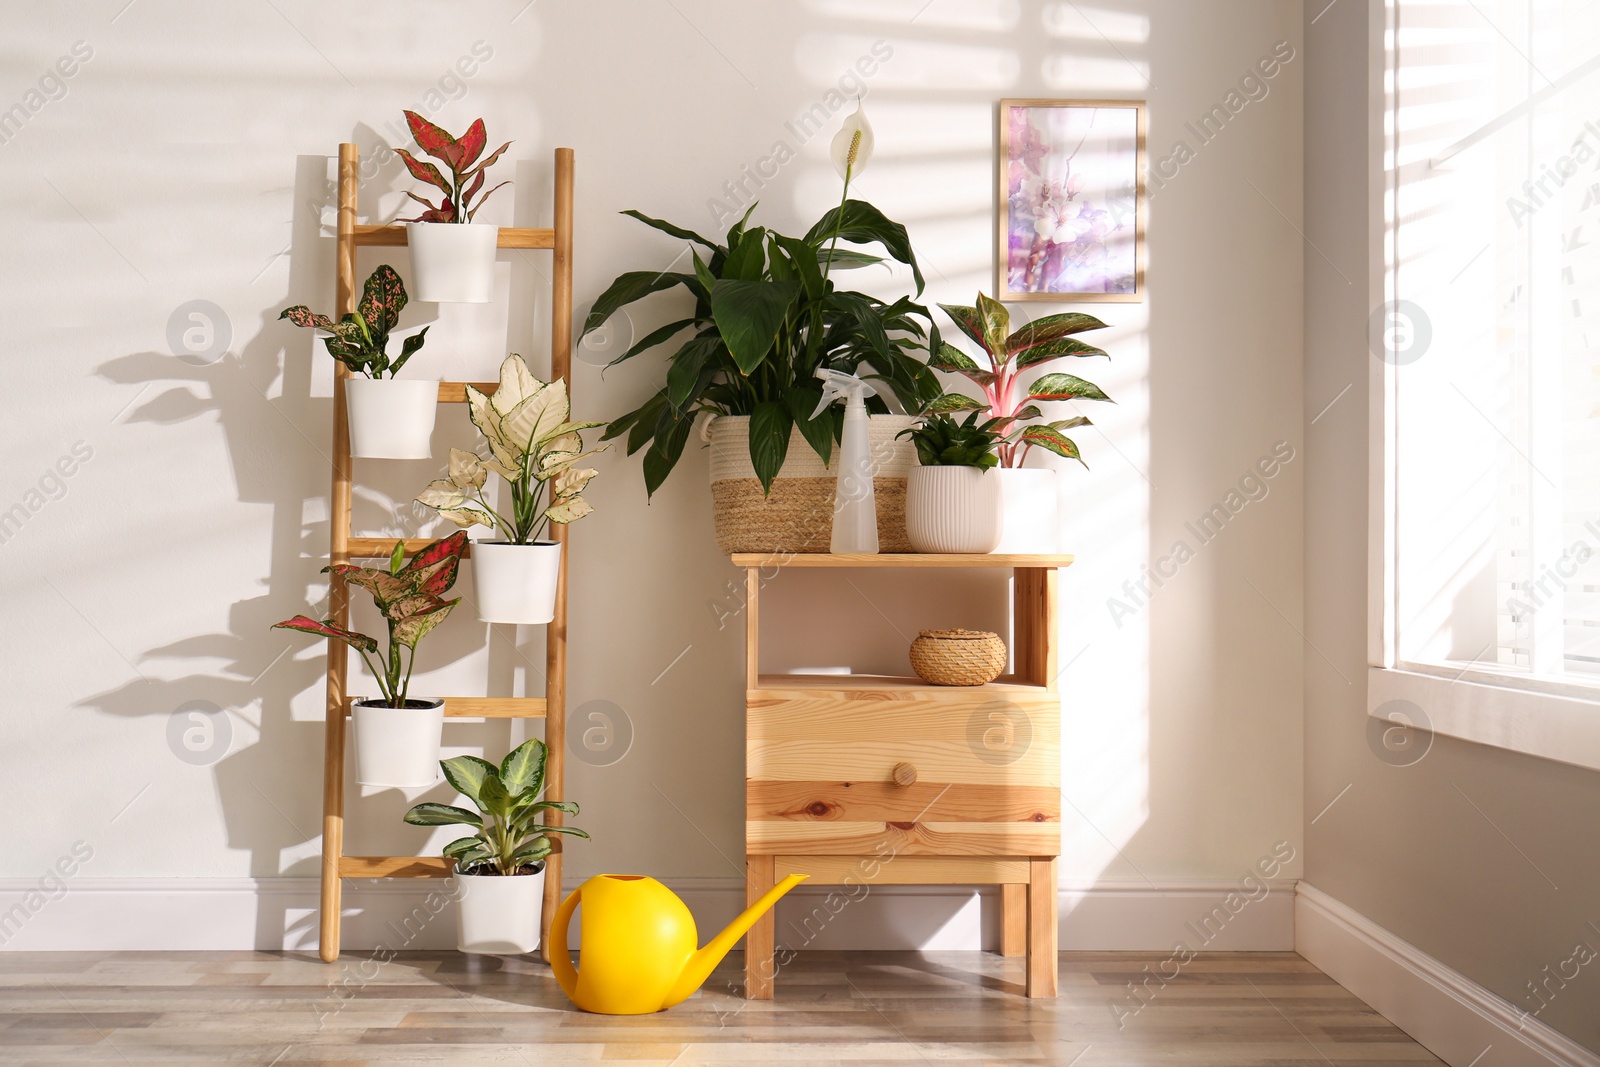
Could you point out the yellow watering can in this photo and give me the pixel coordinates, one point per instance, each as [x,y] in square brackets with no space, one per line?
[639,939]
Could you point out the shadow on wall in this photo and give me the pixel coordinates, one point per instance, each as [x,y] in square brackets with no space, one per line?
[246,678]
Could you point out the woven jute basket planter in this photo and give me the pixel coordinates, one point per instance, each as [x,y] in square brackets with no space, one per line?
[958,657]
[797,516]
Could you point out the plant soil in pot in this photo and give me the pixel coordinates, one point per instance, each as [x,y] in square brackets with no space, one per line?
[516,583]
[397,738]
[499,869]
[398,747]
[391,419]
[535,448]
[797,515]
[452,257]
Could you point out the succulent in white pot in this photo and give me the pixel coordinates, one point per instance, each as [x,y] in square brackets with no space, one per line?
[499,870]
[389,418]
[953,497]
[535,447]
[451,255]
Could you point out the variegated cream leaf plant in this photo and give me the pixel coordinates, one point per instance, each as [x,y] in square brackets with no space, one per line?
[533,445]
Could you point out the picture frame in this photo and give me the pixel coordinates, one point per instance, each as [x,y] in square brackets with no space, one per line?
[1070,225]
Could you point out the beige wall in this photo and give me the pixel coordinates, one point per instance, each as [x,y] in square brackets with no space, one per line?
[186,162]
[1500,892]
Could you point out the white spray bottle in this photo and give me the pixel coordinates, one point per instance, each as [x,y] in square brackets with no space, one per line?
[855,507]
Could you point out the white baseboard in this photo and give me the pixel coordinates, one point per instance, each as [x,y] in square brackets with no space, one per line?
[281,913]
[1452,1016]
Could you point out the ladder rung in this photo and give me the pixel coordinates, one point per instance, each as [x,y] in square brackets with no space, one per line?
[485,707]
[456,392]
[510,236]
[380,547]
[393,867]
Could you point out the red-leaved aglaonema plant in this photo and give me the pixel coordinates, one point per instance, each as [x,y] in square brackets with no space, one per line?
[411,598]
[460,157]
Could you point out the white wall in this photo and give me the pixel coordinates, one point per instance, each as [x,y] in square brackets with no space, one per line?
[187,161]
[1499,893]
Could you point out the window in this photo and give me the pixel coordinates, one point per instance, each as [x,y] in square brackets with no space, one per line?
[1489,334]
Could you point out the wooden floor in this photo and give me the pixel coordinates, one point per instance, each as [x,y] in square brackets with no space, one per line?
[1237,1010]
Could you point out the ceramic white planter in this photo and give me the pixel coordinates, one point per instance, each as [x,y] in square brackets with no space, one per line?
[498,913]
[398,747]
[390,418]
[452,262]
[515,583]
[953,509]
[1028,502]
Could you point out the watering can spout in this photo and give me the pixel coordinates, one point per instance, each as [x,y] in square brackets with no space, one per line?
[703,962]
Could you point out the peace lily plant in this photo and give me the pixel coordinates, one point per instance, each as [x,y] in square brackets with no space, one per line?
[535,448]
[767,314]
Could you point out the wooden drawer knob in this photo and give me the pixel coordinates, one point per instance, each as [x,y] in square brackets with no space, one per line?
[904,774]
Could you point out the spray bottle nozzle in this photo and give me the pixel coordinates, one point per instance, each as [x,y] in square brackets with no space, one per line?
[836,383]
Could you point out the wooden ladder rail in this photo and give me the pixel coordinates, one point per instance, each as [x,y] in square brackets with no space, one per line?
[343,547]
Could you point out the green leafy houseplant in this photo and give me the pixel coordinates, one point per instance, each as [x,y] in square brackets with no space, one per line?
[767,314]
[361,340]
[410,596]
[1008,354]
[511,837]
[941,441]
[533,445]
[460,157]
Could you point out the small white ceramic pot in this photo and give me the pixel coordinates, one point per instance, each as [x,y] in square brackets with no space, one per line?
[391,419]
[1028,502]
[398,747]
[953,509]
[499,914]
[452,262]
[516,583]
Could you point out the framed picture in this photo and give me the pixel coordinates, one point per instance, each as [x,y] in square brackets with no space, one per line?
[1072,199]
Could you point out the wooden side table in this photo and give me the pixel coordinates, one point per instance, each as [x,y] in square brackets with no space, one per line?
[872,780]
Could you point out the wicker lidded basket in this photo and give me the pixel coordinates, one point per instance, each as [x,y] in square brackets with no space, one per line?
[797,516]
[958,657]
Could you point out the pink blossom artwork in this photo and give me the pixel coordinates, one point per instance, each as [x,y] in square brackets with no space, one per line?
[1071,226]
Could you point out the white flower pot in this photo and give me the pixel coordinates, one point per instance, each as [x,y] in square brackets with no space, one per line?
[499,913]
[1028,502]
[398,747]
[515,583]
[391,419]
[453,261]
[953,509]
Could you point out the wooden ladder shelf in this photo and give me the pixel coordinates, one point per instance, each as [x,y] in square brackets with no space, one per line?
[344,547]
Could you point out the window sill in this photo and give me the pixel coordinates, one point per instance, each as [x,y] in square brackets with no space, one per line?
[1549,725]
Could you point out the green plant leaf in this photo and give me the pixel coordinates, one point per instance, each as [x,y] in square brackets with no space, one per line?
[687,364]
[523,768]
[466,775]
[848,259]
[1050,328]
[957,402]
[531,852]
[747,258]
[748,314]
[628,287]
[442,815]
[494,797]
[1068,424]
[414,627]
[654,337]
[859,222]
[1052,441]
[818,432]
[461,846]
[868,318]
[328,629]
[670,436]
[669,228]
[397,558]
[569,831]
[1045,351]
[996,323]
[770,424]
[948,357]
[806,264]
[1064,387]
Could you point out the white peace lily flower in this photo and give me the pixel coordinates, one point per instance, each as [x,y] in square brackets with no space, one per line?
[852,145]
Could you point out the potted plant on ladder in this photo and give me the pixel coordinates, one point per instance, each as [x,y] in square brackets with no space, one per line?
[389,418]
[535,448]
[397,738]
[499,870]
[1028,495]
[451,255]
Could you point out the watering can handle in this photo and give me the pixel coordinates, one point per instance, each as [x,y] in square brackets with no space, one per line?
[560,961]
